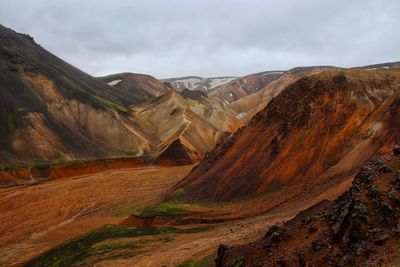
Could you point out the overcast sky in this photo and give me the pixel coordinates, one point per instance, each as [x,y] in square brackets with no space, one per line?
[169,38]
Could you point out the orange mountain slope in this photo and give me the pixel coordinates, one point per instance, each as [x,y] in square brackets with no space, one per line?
[320,128]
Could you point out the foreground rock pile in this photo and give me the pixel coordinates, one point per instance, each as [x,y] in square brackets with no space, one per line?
[359,228]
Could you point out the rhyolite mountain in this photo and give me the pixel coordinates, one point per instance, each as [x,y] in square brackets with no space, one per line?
[197,124]
[319,129]
[198,83]
[249,105]
[243,86]
[52,111]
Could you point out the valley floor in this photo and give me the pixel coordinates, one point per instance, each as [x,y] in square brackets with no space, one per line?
[39,217]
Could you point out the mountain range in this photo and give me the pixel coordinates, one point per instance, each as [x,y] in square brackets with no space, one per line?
[52,111]
[294,167]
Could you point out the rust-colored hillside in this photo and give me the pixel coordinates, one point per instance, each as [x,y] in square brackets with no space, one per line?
[359,228]
[319,129]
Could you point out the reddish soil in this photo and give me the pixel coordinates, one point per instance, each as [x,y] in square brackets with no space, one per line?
[35,174]
[41,216]
[38,217]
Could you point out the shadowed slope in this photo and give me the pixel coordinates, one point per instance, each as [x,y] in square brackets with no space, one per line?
[50,109]
[176,154]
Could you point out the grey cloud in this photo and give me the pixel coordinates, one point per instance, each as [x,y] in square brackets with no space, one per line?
[209,38]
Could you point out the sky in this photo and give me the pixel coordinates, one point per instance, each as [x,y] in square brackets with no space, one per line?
[173,38]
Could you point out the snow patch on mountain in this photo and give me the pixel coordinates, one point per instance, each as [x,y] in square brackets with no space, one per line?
[214,82]
[115,82]
[199,83]
[189,83]
[272,73]
[384,67]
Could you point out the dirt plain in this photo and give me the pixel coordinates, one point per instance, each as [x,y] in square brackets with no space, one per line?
[38,217]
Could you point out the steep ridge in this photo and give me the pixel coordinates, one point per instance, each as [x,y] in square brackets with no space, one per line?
[320,128]
[247,106]
[243,86]
[137,87]
[51,110]
[359,228]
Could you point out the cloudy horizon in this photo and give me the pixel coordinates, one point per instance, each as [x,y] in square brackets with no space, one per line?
[209,38]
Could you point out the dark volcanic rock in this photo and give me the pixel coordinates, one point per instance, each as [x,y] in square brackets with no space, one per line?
[396,150]
[312,230]
[220,255]
[316,245]
[358,229]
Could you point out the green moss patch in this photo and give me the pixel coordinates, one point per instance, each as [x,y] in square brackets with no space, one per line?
[178,193]
[93,245]
[113,105]
[168,208]
[272,187]
[208,261]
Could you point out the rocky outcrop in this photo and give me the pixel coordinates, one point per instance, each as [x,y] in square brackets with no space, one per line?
[359,228]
